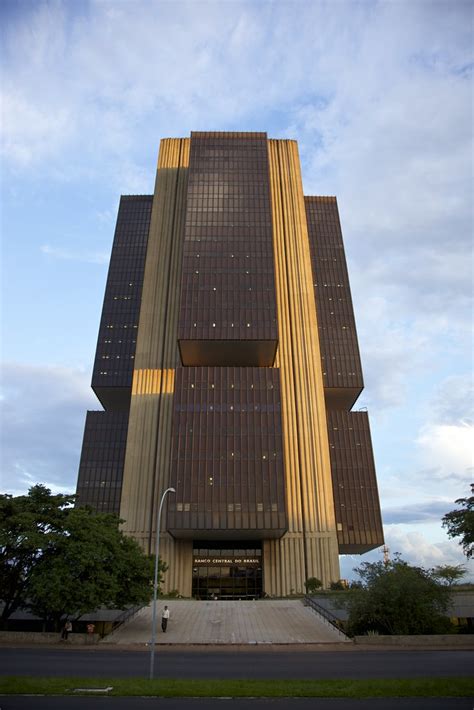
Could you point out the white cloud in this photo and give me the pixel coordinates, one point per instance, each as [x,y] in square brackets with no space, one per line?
[27,128]
[43,420]
[453,401]
[428,468]
[218,62]
[425,511]
[392,351]
[444,443]
[415,548]
[23,480]
[107,217]
[69,255]
[448,450]
[430,465]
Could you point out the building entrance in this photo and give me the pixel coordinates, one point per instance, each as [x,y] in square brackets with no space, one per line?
[223,570]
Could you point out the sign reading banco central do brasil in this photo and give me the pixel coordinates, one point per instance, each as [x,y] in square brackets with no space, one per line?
[237,561]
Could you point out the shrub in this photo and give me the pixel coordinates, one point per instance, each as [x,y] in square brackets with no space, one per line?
[312,585]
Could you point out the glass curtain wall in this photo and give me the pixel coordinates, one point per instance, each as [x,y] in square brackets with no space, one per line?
[224,572]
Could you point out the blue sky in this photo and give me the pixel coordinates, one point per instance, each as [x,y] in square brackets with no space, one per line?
[378,96]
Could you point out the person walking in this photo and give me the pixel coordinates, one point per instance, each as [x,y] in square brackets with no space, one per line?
[90,632]
[67,628]
[165,615]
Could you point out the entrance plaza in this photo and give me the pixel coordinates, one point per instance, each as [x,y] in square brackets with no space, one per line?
[230,622]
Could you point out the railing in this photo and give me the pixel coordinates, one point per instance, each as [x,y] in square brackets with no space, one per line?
[124,616]
[325,613]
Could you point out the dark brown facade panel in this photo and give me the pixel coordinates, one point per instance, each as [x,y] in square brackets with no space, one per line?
[228,286]
[116,344]
[337,330]
[99,482]
[229,135]
[356,499]
[227,454]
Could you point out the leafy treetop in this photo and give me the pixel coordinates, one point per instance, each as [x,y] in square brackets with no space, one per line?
[59,560]
[449,574]
[397,598]
[460,523]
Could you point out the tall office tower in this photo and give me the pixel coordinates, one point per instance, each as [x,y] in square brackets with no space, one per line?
[227,365]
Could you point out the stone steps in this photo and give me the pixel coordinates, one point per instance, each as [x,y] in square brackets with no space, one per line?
[229,622]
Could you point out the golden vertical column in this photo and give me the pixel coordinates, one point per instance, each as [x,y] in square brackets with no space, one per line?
[147,458]
[309,548]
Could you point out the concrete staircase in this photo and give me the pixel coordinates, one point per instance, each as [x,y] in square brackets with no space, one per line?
[230,622]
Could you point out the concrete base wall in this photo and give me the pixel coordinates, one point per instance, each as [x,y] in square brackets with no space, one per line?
[424,641]
[30,637]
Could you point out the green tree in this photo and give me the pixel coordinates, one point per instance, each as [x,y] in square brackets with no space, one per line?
[396,598]
[93,564]
[29,527]
[449,574]
[460,523]
[64,560]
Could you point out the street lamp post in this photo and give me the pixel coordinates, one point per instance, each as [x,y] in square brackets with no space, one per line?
[155,582]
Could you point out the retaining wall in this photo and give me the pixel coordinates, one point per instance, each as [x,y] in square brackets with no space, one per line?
[30,637]
[439,640]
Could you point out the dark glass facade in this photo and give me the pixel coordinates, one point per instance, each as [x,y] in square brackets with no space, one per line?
[340,359]
[223,571]
[356,499]
[99,482]
[105,436]
[116,344]
[227,454]
[228,309]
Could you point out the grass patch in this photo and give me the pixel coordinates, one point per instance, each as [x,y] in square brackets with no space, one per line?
[413,687]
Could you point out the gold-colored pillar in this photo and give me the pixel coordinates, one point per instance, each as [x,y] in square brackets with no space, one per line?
[309,549]
[147,458]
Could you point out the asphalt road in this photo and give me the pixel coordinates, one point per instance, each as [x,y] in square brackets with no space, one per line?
[81,703]
[248,664]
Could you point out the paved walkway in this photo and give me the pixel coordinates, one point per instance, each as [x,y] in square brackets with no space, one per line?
[230,622]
